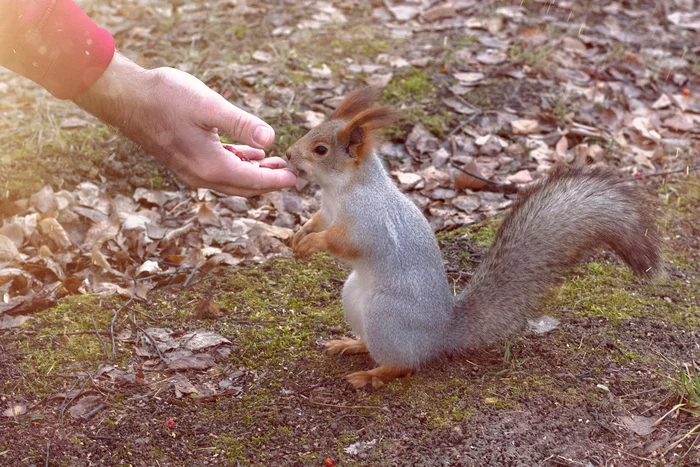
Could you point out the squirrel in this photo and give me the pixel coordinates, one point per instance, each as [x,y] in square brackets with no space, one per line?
[397,299]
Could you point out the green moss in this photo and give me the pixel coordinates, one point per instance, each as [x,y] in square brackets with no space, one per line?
[57,354]
[411,85]
[535,57]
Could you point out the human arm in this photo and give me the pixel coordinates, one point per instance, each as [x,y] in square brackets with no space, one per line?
[173,115]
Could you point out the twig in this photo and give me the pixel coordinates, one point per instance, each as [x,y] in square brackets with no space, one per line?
[691,447]
[335,406]
[116,314]
[687,435]
[48,451]
[478,177]
[115,438]
[104,345]
[75,333]
[191,275]
[65,405]
[688,169]
[645,459]
[99,407]
[150,338]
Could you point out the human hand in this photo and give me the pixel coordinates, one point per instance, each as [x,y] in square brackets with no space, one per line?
[176,118]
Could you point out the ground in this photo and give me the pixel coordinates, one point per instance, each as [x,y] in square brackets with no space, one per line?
[585,393]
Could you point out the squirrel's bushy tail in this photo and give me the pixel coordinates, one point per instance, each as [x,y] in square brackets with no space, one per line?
[552,226]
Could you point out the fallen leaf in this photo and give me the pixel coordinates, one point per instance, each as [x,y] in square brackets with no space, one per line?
[379,80]
[44,200]
[206,214]
[441,11]
[467,203]
[8,250]
[524,127]
[148,268]
[191,362]
[85,405]
[469,79]
[464,181]
[408,180]
[678,123]
[99,260]
[312,119]
[183,386]
[54,230]
[7,321]
[262,56]
[639,425]
[207,309]
[15,410]
[522,176]
[202,339]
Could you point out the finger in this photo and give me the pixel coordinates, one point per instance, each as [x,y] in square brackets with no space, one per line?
[251,153]
[265,179]
[273,163]
[238,123]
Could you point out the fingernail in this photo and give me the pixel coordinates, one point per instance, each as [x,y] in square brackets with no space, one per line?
[262,135]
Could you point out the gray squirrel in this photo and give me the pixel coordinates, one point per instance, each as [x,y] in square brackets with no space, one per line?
[397,299]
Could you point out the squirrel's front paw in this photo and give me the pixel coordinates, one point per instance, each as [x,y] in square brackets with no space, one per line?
[346,346]
[298,237]
[307,246]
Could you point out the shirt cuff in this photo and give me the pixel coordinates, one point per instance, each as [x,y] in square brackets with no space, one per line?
[59,47]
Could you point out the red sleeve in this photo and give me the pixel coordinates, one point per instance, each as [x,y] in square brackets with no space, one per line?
[53,43]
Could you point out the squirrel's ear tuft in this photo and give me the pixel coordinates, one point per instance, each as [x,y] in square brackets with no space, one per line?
[359,134]
[355,102]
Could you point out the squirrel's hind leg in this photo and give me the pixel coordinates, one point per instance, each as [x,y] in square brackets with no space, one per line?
[378,376]
[346,346]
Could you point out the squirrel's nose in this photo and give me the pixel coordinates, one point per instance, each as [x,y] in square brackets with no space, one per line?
[288,154]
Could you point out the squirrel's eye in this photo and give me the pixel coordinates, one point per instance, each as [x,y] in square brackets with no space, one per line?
[320,150]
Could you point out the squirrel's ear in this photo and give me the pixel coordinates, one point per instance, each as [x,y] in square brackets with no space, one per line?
[360,133]
[355,102]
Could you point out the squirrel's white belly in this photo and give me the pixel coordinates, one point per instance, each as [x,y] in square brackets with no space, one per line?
[353,292]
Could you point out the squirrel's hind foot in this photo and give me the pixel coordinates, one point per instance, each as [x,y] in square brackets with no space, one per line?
[378,376]
[346,346]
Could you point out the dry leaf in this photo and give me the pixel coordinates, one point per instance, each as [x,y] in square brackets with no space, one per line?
[206,214]
[44,200]
[7,321]
[469,78]
[191,362]
[51,227]
[525,127]
[183,386]
[207,309]
[202,339]
[148,268]
[442,11]
[8,250]
[641,426]
[522,176]
[85,405]
[15,410]
[99,260]
[464,181]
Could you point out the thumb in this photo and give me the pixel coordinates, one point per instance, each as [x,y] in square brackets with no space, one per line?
[239,124]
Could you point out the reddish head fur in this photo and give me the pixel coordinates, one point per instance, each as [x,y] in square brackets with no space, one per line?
[355,102]
[369,121]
